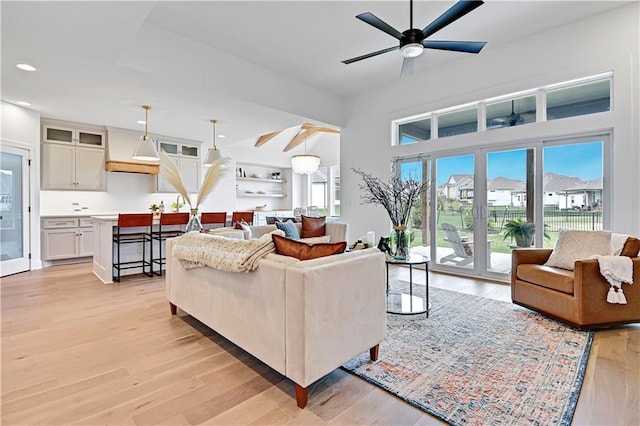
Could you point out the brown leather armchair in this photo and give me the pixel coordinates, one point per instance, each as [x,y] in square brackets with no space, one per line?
[577,297]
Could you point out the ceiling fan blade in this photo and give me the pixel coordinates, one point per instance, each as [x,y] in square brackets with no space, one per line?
[407,67]
[454,13]
[373,20]
[456,46]
[369,55]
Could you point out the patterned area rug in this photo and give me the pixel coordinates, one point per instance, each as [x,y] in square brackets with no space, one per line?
[481,361]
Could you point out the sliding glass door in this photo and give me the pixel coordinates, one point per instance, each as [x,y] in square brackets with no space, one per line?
[463,223]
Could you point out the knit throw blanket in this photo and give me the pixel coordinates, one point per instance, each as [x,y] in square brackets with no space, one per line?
[195,249]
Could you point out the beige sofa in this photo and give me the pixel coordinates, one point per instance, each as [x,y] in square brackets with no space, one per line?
[302,318]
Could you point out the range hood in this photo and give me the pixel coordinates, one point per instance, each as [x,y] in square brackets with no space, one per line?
[120,146]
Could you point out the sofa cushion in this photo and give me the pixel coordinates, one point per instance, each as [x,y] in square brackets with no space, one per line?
[631,247]
[246,228]
[313,226]
[304,251]
[289,228]
[576,245]
[546,276]
[316,240]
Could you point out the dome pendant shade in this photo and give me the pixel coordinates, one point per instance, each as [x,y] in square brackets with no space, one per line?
[305,164]
[213,154]
[146,148]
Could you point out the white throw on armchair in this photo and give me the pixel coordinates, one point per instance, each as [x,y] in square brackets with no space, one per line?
[302,318]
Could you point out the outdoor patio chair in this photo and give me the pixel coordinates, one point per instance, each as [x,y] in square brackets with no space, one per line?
[462,248]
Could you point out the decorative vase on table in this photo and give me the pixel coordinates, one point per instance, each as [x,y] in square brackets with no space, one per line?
[401,240]
[194,222]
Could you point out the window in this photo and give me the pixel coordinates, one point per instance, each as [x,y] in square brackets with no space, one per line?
[458,122]
[325,190]
[415,131]
[588,95]
[588,98]
[512,112]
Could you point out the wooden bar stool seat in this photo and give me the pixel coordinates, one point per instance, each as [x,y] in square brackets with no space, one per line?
[238,216]
[126,221]
[174,225]
[213,218]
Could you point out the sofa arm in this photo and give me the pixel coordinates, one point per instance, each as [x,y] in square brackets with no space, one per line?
[337,231]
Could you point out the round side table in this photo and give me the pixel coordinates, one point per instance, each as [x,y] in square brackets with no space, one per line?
[408,304]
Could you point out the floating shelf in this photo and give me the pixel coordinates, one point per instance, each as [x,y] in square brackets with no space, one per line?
[252,179]
[244,194]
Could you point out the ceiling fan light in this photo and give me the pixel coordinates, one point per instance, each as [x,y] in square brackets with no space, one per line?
[305,164]
[411,50]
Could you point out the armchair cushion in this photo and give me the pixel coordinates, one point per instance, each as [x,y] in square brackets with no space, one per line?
[304,251]
[576,245]
[546,276]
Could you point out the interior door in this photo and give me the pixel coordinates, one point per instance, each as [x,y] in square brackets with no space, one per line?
[14,210]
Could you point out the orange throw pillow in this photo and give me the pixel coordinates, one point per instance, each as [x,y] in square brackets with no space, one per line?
[631,247]
[313,226]
[304,251]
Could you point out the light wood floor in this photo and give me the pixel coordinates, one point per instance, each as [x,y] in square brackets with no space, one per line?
[75,351]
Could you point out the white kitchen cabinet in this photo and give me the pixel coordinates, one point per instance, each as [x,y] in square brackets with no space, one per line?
[67,238]
[73,159]
[187,159]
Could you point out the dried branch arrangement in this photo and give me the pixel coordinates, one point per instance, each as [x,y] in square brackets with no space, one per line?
[397,196]
[170,171]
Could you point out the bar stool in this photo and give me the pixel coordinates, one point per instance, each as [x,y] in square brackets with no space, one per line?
[213,218]
[238,216]
[132,220]
[166,219]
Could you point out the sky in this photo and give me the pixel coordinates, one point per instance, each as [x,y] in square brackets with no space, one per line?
[582,160]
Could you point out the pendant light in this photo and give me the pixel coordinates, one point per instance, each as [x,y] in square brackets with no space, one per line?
[146,148]
[305,164]
[213,154]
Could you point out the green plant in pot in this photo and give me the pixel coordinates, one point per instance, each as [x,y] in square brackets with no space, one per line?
[521,231]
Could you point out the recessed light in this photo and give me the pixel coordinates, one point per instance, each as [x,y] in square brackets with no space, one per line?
[141,122]
[26,67]
[23,103]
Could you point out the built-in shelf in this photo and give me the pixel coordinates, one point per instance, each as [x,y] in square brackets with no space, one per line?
[245,194]
[261,179]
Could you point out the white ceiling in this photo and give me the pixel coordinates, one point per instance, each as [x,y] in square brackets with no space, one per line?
[255,66]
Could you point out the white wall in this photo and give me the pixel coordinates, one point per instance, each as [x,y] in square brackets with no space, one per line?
[608,42]
[21,128]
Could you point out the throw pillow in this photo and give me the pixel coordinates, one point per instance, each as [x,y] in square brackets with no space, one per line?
[577,245]
[289,228]
[631,247]
[313,226]
[304,251]
[316,240]
[245,227]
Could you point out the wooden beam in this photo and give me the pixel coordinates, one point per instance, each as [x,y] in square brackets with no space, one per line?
[132,167]
[299,138]
[266,138]
[319,128]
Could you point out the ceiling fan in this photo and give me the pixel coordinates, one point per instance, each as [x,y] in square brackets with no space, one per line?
[413,40]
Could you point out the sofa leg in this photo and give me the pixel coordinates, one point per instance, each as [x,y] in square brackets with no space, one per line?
[301,395]
[174,308]
[373,352]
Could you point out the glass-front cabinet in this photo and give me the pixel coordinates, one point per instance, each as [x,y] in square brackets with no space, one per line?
[186,156]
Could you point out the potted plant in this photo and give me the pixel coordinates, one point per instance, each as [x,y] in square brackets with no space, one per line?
[521,231]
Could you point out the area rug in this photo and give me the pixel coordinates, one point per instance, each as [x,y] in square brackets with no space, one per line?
[478,361]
